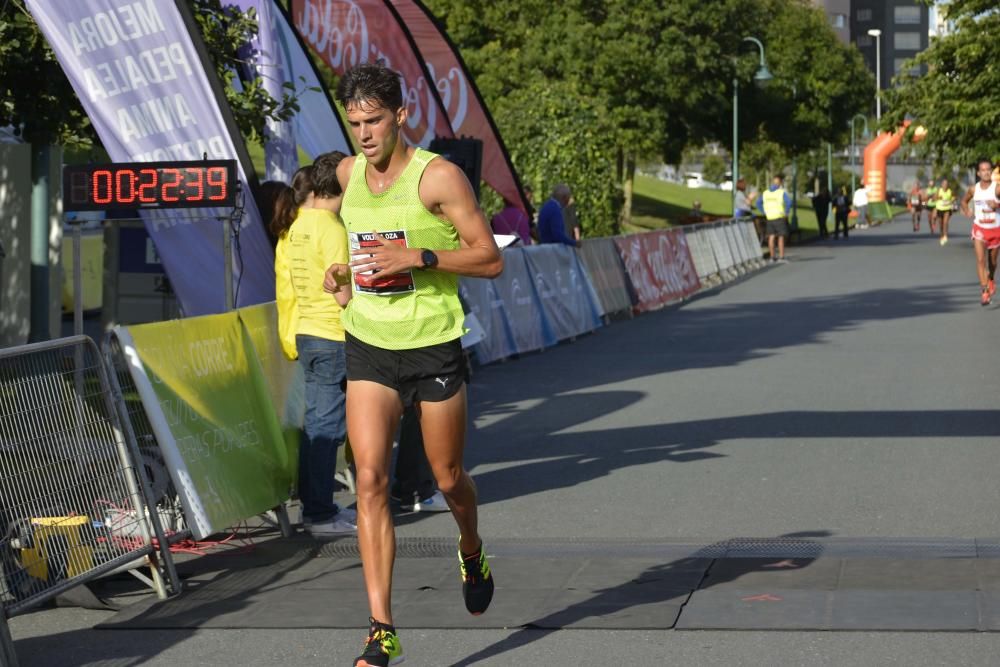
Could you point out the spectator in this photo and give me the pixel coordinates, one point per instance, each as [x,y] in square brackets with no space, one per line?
[841,209]
[571,222]
[775,204]
[741,203]
[861,205]
[512,220]
[551,226]
[696,214]
[309,240]
[821,204]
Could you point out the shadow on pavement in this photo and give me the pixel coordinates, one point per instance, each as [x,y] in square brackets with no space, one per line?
[657,577]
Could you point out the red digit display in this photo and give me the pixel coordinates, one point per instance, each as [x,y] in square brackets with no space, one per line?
[196,184]
[125,182]
[102,175]
[217,179]
[171,180]
[142,185]
[148,180]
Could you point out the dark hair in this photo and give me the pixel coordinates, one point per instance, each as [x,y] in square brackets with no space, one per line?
[982,160]
[288,201]
[267,202]
[324,174]
[373,83]
[741,184]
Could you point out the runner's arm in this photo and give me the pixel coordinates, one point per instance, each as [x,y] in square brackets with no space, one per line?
[966,198]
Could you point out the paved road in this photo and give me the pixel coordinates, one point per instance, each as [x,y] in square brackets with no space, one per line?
[849,393]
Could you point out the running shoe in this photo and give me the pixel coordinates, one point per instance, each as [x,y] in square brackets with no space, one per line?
[477,581]
[382,648]
[985,300]
[434,503]
[944,240]
[992,287]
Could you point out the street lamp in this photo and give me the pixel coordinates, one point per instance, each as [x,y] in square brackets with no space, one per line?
[853,149]
[762,75]
[877,34]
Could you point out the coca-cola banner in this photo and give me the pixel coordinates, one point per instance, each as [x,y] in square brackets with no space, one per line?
[347,32]
[660,267]
[466,111]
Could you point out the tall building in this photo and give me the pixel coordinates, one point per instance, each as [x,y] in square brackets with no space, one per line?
[904,26]
[838,12]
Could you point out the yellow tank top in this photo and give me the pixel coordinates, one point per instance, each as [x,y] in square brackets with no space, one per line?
[945,199]
[408,310]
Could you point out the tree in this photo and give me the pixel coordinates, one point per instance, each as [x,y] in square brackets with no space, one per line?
[38,100]
[713,169]
[958,99]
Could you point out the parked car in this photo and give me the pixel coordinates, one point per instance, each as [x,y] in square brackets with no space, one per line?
[694,179]
[896,197]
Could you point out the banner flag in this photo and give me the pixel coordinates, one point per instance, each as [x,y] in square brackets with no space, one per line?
[466,110]
[141,79]
[207,398]
[659,266]
[345,33]
[280,57]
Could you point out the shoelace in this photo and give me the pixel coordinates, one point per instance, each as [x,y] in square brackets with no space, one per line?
[467,574]
[373,645]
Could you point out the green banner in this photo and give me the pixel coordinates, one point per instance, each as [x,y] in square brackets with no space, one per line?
[219,431]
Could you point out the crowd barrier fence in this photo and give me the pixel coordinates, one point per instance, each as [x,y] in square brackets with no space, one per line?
[73,503]
[602,261]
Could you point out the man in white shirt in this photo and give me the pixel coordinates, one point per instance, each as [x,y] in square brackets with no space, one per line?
[861,205]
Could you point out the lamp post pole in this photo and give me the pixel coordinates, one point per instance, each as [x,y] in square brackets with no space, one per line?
[762,75]
[853,149]
[877,34]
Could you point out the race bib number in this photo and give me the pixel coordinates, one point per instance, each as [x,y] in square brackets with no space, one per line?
[366,281]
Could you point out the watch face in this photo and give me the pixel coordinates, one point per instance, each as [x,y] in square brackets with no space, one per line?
[429,258]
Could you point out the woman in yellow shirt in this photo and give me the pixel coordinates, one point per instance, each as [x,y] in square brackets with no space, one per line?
[311,237]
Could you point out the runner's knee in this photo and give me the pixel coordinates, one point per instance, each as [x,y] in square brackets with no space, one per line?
[371,482]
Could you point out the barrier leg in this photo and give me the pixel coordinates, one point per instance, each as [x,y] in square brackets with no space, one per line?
[281,512]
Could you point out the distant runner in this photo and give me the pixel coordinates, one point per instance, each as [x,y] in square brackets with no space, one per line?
[945,203]
[932,206]
[985,226]
[916,205]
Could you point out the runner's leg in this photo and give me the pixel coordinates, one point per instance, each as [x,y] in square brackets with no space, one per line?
[945,219]
[443,426]
[373,414]
[981,269]
[992,256]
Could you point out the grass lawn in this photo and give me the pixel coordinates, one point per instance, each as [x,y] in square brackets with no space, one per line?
[657,204]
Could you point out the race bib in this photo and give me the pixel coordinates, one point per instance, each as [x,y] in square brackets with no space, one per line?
[366,281]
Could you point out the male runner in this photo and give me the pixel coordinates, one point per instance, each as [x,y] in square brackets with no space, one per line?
[945,202]
[414,226]
[916,204]
[985,195]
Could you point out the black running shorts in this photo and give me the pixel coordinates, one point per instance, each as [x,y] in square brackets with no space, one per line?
[776,227]
[434,373]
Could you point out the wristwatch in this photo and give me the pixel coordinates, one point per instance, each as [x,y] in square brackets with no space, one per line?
[429,259]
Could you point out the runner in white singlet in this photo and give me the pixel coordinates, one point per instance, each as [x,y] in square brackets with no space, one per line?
[985,226]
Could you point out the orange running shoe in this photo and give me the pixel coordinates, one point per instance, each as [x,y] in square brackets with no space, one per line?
[985,299]
[992,287]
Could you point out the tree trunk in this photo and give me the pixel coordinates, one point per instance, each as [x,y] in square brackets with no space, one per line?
[627,184]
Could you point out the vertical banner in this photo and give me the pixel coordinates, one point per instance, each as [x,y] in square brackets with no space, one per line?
[278,58]
[142,81]
[347,32]
[466,110]
[659,266]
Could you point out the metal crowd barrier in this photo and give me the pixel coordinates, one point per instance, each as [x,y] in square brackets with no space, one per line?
[723,250]
[72,504]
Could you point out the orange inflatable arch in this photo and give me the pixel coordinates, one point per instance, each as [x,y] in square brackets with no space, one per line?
[877,155]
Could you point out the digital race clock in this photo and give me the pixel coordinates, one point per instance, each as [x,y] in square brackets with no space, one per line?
[134,185]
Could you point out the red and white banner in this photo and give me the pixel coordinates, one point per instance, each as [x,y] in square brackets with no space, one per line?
[466,110]
[439,95]
[347,32]
[660,267]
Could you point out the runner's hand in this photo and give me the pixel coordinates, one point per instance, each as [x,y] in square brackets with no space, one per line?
[388,257]
[336,275]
